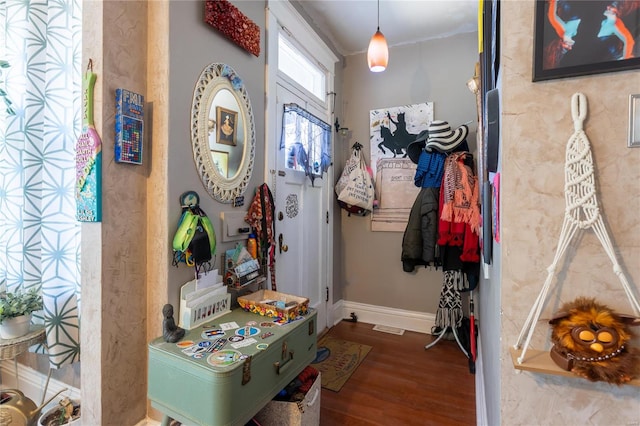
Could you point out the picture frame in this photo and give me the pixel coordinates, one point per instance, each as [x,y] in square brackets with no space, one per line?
[596,38]
[634,121]
[391,131]
[221,162]
[226,129]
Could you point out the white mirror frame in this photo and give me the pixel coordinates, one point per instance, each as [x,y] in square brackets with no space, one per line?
[216,77]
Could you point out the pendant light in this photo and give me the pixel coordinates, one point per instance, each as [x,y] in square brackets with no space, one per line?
[378,53]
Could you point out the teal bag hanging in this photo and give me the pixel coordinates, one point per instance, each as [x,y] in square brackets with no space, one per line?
[194,242]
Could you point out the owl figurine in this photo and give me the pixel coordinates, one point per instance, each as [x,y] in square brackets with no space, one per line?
[592,341]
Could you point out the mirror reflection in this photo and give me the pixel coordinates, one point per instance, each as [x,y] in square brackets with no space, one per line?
[222,132]
[226,134]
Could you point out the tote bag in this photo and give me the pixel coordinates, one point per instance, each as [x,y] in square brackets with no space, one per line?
[355,186]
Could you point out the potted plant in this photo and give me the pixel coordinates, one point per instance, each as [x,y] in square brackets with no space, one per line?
[67,412]
[15,312]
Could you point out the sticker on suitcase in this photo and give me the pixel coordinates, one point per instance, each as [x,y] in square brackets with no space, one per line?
[229,325]
[214,333]
[217,345]
[223,358]
[245,342]
[247,331]
[194,350]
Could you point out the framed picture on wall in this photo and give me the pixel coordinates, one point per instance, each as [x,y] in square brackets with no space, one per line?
[574,38]
[226,120]
[634,121]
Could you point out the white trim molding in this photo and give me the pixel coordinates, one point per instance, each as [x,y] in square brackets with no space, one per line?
[407,320]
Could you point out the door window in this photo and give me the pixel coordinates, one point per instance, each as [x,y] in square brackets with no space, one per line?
[306,142]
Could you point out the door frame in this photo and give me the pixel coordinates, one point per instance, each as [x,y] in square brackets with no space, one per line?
[282,16]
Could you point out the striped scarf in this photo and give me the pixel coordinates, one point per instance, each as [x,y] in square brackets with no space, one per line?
[460,192]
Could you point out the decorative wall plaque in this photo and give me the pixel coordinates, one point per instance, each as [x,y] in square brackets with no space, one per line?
[292,206]
[226,18]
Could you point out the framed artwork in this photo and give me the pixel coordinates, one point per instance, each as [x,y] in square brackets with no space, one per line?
[391,130]
[226,129]
[574,38]
[221,162]
[634,121]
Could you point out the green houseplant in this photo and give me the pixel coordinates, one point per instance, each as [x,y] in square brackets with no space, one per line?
[15,312]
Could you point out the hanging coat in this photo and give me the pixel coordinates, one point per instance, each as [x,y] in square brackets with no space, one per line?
[419,241]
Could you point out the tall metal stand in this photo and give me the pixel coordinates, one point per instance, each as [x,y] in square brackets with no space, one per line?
[455,335]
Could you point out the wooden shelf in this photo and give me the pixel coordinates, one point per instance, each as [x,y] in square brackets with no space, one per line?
[541,362]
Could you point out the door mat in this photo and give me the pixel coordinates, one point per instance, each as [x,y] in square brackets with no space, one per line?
[337,360]
[388,329]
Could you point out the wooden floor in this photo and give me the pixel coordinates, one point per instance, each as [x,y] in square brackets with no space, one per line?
[401,383]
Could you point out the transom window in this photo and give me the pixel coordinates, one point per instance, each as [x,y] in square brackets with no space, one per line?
[300,69]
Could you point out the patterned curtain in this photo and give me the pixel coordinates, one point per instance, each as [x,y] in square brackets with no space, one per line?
[39,236]
[307,140]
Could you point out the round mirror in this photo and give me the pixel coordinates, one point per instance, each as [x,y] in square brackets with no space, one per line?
[222,132]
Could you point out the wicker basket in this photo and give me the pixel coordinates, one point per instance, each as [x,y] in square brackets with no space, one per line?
[274,304]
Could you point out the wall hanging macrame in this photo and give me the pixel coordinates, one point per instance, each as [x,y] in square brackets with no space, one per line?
[581,212]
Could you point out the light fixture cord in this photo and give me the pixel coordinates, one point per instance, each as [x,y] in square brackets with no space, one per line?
[378,15]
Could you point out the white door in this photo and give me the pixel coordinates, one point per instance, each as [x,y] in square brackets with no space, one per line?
[301,217]
[303,225]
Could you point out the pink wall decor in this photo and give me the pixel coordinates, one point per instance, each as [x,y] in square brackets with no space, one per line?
[227,19]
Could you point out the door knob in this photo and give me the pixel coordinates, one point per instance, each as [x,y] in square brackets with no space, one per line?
[282,247]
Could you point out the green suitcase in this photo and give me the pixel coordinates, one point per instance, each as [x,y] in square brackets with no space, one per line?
[204,384]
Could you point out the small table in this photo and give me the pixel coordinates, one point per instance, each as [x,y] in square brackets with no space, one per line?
[11,348]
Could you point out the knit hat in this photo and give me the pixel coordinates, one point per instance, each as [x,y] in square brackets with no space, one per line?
[442,138]
[415,148]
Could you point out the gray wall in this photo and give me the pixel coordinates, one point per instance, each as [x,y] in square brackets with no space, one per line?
[193,46]
[536,125]
[370,270]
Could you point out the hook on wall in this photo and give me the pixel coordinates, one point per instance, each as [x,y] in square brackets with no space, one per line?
[343,131]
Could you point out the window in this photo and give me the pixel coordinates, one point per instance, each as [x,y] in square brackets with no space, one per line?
[39,234]
[295,64]
[306,140]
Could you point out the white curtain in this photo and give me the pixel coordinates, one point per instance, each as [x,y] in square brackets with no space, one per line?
[39,236]
[307,140]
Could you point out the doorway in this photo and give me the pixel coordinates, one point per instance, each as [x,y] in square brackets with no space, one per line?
[304,265]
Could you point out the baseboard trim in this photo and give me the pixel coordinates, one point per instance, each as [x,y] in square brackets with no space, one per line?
[481,402]
[371,314]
